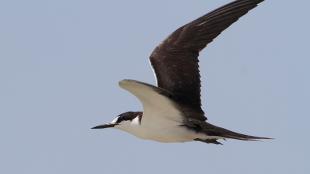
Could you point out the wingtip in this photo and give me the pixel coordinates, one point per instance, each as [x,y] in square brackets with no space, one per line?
[123,83]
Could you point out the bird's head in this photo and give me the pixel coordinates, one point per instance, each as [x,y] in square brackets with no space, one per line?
[123,120]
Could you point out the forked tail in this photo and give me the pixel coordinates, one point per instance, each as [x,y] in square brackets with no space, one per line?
[216,131]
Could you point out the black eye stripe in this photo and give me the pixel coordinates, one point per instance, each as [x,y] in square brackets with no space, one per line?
[128,116]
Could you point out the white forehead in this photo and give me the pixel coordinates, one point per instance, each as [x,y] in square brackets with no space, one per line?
[114,120]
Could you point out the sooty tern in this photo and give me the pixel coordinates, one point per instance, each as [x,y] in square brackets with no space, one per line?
[172,111]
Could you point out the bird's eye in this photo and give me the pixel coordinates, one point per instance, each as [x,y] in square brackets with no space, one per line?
[118,120]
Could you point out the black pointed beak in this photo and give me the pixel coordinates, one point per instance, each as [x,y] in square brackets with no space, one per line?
[103,126]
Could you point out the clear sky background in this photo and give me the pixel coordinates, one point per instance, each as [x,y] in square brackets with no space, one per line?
[61,60]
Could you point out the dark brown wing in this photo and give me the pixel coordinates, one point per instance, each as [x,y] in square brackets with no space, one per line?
[175,61]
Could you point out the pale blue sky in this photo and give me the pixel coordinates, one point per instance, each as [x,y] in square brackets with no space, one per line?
[61,60]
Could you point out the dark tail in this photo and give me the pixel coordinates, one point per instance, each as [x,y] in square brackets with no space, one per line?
[213,130]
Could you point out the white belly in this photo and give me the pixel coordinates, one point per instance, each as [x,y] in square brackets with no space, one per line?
[167,131]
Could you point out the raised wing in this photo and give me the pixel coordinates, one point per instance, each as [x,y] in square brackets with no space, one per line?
[175,61]
[158,103]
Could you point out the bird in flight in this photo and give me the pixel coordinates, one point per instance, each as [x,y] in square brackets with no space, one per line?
[172,110]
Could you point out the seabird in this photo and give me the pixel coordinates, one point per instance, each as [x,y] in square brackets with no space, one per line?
[172,110]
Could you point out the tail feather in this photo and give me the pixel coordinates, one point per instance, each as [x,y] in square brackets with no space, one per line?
[216,132]
[213,130]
